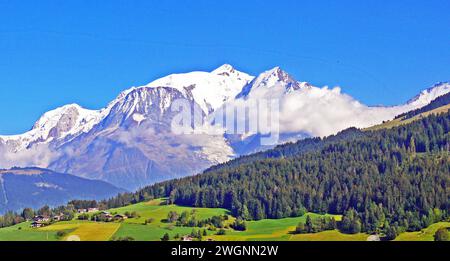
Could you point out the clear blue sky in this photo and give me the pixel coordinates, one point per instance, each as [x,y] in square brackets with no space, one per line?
[58,52]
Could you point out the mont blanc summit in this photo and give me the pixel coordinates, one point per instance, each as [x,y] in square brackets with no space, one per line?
[130,144]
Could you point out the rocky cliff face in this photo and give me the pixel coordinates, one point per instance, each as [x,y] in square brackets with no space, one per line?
[135,146]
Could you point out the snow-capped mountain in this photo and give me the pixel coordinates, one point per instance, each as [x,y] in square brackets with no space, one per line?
[66,121]
[426,96]
[130,143]
[274,78]
[134,144]
[145,103]
[305,109]
[209,90]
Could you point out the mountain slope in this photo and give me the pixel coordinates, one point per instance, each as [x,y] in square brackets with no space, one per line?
[273,78]
[209,90]
[34,187]
[428,95]
[439,105]
[307,109]
[291,149]
[69,120]
[389,180]
[132,143]
[434,104]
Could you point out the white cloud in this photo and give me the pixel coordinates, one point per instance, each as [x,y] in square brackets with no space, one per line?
[39,155]
[318,111]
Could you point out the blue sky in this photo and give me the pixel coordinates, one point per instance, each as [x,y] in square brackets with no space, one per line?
[58,52]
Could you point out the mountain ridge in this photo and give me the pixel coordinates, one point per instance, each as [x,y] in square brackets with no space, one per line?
[388,180]
[130,142]
[35,187]
[89,118]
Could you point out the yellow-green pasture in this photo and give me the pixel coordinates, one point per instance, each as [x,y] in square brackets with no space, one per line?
[155,212]
[426,234]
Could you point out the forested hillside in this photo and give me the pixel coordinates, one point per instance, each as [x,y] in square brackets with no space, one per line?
[389,180]
[291,149]
[393,180]
[317,143]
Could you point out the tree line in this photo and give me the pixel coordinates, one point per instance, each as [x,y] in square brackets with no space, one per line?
[389,181]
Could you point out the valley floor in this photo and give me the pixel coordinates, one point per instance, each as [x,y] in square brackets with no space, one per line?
[262,230]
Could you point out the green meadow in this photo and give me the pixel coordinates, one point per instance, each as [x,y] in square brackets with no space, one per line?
[156,211]
[23,232]
[268,230]
[426,234]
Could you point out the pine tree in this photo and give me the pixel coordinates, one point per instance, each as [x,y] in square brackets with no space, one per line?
[412,145]
[309,225]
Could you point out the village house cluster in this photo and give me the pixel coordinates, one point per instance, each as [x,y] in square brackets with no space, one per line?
[106,216]
[188,238]
[42,220]
[87,210]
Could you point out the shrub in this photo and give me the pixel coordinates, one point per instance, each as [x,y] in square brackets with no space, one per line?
[221,232]
[61,233]
[441,235]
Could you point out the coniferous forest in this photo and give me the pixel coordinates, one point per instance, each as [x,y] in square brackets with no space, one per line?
[389,181]
[392,180]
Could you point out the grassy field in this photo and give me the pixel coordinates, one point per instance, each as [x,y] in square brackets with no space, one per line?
[135,227]
[158,212]
[425,234]
[281,230]
[23,232]
[332,235]
[99,231]
[85,230]
[262,230]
